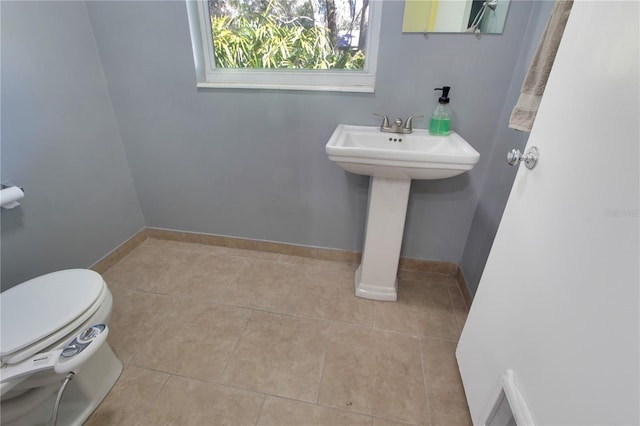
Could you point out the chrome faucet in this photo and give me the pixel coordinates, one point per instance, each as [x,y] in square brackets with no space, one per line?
[397,126]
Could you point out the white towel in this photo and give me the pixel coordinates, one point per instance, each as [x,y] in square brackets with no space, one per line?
[524,113]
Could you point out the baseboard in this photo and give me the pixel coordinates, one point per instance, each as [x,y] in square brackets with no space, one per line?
[462,283]
[257,245]
[119,252]
[321,253]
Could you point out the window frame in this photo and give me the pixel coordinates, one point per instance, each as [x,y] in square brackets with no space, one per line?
[208,76]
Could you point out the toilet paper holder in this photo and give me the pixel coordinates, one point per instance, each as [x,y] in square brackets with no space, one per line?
[7,185]
[10,195]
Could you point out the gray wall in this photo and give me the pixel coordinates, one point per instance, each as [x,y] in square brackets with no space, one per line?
[60,141]
[499,178]
[252,163]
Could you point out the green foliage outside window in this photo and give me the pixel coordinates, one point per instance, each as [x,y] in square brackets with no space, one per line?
[263,41]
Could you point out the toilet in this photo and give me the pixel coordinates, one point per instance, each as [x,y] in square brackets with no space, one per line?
[44,314]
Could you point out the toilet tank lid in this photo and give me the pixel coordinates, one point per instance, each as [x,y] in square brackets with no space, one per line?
[37,308]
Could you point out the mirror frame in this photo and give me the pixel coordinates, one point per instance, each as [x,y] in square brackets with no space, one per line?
[426,16]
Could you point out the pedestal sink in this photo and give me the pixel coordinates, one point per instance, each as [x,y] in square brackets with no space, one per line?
[392,160]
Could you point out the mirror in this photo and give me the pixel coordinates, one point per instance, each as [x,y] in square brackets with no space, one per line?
[455,16]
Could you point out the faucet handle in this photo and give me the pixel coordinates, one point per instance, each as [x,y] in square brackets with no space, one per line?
[408,125]
[385,121]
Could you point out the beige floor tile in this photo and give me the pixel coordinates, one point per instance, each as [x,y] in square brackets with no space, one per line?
[333,300]
[296,260]
[265,285]
[202,276]
[377,421]
[431,277]
[134,317]
[448,409]
[375,372]
[195,340]
[440,366]
[329,270]
[142,268]
[206,246]
[445,392]
[422,308]
[287,249]
[279,355]
[285,412]
[129,398]
[178,245]
[251,254]
[459,306]
[340,255]
[185,402]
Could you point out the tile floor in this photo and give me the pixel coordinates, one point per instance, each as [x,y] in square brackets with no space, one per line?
[213,335]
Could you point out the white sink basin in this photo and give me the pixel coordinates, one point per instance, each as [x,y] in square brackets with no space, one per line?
[366,150]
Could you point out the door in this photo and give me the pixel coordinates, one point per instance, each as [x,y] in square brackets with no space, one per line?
[558,303]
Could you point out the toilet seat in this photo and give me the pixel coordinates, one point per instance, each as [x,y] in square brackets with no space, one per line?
[39,312]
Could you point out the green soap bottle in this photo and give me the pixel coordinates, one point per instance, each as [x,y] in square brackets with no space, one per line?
[440,123]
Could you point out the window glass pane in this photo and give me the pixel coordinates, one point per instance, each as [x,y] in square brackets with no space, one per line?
[289,34]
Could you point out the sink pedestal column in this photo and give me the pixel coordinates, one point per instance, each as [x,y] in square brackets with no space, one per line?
[376,278]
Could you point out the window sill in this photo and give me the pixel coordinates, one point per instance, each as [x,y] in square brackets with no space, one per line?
[365,88]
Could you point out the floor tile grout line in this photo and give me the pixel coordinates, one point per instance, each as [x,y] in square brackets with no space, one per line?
[266,394]
[299,401]
[342,410]
[455,312]
[164,275]
[241,388]
[424,381]
[252,391]
[294,303]
[324,361]
[374,325]
[402,422]
[142,345]
[264,401]
[300,316]
[154,290]
[235,347]
[453,308]
[233,280]
[152,402]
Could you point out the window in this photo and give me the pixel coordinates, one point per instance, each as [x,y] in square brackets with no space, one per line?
[326,45]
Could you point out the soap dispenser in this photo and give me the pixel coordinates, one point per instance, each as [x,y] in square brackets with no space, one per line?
[441,118]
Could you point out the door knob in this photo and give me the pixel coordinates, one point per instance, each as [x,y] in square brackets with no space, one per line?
[530,158]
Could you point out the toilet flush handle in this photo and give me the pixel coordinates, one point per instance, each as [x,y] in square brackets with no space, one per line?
[62,361]
[81,348]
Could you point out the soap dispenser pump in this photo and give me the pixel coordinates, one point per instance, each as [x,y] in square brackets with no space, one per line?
[441,118]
